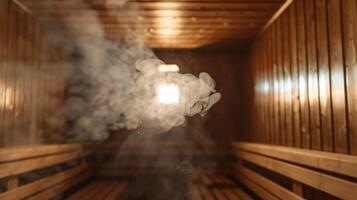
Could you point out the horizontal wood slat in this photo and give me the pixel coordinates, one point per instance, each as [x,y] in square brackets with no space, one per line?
[255,187]
[169,13]
[18,153]
[61,187]
[42,184]
[337,163]
[19,167]
[269,185]
[327,183]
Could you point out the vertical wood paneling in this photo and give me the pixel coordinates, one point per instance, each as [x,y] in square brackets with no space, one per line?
[324,75]
[337,76]
[303,81]
[309,65]
[26,89]
[287,80]
[350,47]
[280,70]
[313,89]
[294,76]
[3,56]
[276,86]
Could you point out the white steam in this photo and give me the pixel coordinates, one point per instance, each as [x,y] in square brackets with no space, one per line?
[112,84]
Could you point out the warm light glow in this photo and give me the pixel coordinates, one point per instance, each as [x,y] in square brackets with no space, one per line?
[168,94]
[166,31]
[6,96]
[168,68]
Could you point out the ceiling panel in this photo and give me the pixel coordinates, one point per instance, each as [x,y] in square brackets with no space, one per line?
[162,24]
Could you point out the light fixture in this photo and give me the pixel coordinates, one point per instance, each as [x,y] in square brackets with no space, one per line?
[168,93]
[168,68]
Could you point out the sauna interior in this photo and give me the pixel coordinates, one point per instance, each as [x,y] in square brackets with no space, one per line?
[178,99]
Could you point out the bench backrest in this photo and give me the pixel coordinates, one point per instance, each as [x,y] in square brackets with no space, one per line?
[42,172]
[328,172]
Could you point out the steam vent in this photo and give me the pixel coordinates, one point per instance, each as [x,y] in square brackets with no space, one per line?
[178,99]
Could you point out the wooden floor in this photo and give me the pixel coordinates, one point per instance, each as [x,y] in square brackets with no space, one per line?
[104,190]
[216,187]
[205,188]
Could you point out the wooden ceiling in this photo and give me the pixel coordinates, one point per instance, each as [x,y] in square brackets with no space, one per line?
[163,24]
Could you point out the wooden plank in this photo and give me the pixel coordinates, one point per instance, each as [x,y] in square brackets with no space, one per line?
[241,194]
[176,5]
[269,185]
[12,183]
[61,187]
[218,194]
[19,82]
[261,192]
[349,8]
[287,79]
[207,195]
[303,77]
[294,76]
[108,186]
[4,38]
[230,194]
[19,153]
[81,193]
[324,76]
[298,188]
[329,184]
[69,15]
[116,192]
[333,162]
[281,84]
[313,85]
[11,69]
[90,194]
[276,15]
[42,184]
[10,169]
[338,76]
[195,192]
[276,86]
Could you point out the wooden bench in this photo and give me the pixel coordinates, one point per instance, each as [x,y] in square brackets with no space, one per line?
[104,190]
[216,187]
[328,172]
[42,172]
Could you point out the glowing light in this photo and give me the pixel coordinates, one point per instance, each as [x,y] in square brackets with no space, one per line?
[168,68]
[168,94]
[166,31]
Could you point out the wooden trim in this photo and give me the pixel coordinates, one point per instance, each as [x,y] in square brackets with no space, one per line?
[18,167]
[254,187]
[241,194]
[26,190]
[274,188]
[297,188]
[12,183]
[276,15]
[230,194]
[337,163]
[195,192]
[19,153]
[329,184]
[59,188]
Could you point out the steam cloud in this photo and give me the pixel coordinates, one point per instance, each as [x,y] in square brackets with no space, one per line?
[112,84]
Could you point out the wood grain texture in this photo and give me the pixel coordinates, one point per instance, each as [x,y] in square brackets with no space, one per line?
[308,79]
[151,15]
[24,110]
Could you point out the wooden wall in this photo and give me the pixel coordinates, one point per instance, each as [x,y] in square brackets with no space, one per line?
[304,70]
[31,79]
